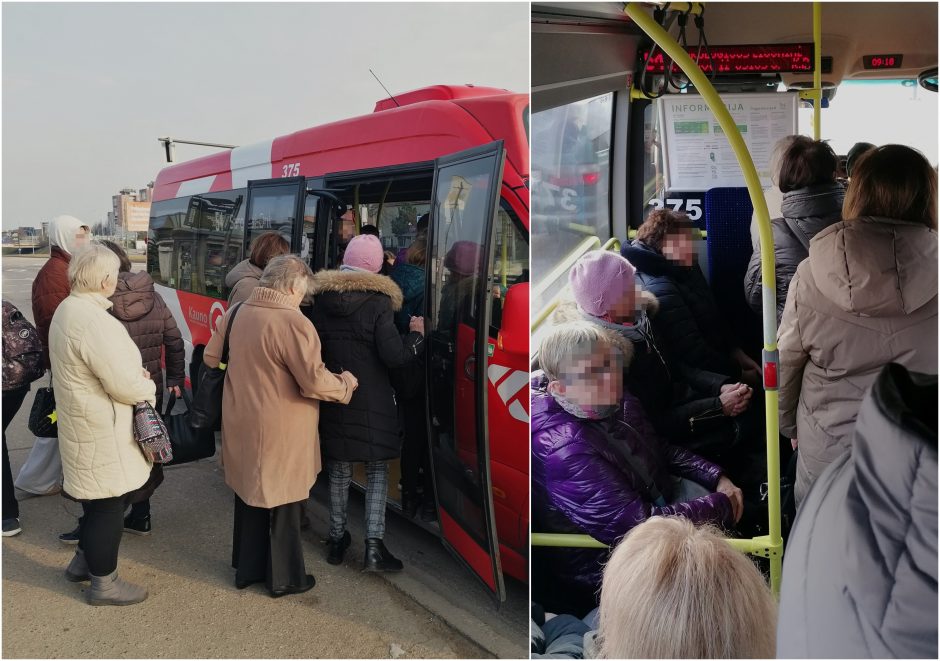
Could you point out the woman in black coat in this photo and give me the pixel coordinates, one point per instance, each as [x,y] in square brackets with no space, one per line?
[353,312]
[689,322]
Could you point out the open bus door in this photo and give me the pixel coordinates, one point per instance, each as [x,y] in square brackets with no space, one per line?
[276,205]
[463,211]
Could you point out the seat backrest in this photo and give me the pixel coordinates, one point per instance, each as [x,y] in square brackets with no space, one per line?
[728,214]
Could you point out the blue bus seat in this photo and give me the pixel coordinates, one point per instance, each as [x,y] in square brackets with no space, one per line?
[728,214]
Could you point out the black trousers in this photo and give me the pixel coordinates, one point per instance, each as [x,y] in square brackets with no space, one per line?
[100,533]
[12,401]
[266,545]
[414,450]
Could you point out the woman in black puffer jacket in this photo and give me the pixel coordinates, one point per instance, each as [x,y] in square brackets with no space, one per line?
[812,201]
[353,312]
[689,323]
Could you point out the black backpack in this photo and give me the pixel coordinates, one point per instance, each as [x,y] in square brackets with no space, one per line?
[22,349]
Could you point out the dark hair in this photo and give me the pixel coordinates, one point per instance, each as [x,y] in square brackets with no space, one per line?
[119,251]
[266,247]
[370,229]
[854,154]
[807,162]
[661,223]
[893,181]
[423,221]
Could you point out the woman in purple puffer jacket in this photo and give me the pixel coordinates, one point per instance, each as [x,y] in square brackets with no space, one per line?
[598,467]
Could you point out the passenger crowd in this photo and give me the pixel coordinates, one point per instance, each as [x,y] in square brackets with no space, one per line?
[648,431]
[308,382]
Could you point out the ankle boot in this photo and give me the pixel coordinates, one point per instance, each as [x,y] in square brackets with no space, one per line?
[336,548]
[378,559]
[409,504]
[112,591]
[77,571]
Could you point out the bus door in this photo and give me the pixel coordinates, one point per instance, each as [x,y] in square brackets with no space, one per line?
[276,205]
[463,210]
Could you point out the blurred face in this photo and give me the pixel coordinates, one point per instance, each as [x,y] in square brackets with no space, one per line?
[593,382]
[626,308]
[81,238]
[347,227]
[679,248]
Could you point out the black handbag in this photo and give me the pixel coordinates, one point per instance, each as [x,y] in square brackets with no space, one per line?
[189,444]
[206,411]
[42,416]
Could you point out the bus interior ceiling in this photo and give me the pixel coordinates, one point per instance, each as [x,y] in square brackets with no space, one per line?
[582,51]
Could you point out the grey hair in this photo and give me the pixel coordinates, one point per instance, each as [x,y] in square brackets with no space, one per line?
[92,266]
[566,343]
[776,156]
[286,272]
[672,590]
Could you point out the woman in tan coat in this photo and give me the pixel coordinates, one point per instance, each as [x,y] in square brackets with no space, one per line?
[274,382]
[866,296]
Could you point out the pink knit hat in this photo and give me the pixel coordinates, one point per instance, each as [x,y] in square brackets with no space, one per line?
[364,252]
[599,279]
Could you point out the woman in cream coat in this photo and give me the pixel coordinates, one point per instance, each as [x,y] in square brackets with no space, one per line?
[98,378]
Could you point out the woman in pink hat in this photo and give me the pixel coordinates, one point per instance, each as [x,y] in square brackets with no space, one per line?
[353,312]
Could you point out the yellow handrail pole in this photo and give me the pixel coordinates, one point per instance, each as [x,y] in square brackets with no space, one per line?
[817,70]
[678,54]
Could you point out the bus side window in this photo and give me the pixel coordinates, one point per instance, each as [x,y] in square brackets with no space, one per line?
[510,263]
[165,240]
[220,239]
[272,209]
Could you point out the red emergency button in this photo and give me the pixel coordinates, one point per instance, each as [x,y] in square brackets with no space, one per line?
[770,375]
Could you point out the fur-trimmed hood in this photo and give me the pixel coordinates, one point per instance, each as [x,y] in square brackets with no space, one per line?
[353,288]
[567,310]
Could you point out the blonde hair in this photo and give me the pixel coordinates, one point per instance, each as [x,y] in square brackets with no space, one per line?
[286,272]
[92,266]
[672,590]
[567,343]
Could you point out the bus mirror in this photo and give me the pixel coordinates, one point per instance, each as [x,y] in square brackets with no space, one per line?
[514,333]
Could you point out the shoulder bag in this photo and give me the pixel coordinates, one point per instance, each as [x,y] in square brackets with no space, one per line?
[206,411]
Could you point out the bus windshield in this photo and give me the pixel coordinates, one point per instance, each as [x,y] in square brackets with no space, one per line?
[880,112]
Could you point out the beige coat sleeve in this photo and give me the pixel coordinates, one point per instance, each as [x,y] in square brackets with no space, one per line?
[213,352]
[112,356]
[793,357]
[301,355]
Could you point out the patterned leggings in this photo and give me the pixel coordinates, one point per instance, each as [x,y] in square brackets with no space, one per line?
[340,473]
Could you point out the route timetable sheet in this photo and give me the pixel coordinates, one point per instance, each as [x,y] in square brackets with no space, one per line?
[698,155]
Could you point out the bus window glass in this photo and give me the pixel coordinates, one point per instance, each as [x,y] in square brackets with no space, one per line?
[510,263]
[309,234]
[165,240]
[570,182]
[273,209]
[858,112]
[398,222]
[462,198]
[654,179]
[220,219]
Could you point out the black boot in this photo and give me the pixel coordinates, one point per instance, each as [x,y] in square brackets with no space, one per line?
[336,548]
[409,504]
[378,558]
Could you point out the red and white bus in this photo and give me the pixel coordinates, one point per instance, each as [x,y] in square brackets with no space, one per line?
[458,152]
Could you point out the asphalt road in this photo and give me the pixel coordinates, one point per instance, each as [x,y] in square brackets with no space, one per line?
[434,609]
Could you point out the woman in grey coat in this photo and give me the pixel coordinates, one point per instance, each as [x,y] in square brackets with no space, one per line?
[860,573]
[812,201]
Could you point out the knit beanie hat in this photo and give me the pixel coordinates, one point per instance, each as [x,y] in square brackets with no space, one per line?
[364,252]
[599,279]
[463,257]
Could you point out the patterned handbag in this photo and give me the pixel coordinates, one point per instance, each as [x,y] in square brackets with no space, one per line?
[151,434]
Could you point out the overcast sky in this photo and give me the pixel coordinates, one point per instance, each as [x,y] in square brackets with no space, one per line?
[88,88]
